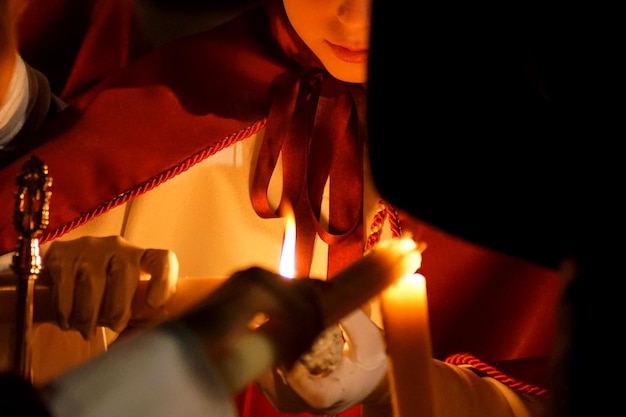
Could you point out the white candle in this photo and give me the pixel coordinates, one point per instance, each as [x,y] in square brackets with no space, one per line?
[407,333]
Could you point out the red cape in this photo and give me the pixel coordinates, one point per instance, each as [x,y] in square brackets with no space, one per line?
[152,121]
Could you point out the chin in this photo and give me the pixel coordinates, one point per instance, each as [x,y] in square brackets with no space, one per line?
[349,75]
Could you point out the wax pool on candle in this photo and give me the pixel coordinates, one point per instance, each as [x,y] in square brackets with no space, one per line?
[407,333]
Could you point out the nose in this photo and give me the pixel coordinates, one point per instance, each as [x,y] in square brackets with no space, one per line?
[355,12]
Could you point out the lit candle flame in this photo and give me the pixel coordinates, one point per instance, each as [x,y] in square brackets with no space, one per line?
[287,267]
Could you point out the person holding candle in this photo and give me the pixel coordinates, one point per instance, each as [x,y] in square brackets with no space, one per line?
[270,110]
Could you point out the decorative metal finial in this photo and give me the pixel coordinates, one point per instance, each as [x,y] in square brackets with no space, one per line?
[30,218]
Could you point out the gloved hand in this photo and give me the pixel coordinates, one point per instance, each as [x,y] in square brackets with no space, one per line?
[360,368]
[93,280]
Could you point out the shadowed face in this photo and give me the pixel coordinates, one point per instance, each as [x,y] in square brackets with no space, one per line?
[337,31]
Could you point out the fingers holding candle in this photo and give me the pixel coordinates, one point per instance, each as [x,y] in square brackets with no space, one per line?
[362,362]
[384,264]
[297,309]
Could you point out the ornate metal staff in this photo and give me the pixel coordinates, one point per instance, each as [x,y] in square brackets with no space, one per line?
[30,218]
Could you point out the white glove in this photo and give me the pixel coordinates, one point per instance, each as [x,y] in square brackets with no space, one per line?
[351,379]
[94,279]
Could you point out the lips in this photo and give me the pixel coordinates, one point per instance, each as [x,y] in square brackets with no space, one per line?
[353,56]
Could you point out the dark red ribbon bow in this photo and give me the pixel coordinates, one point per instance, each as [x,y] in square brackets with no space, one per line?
[316,121]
